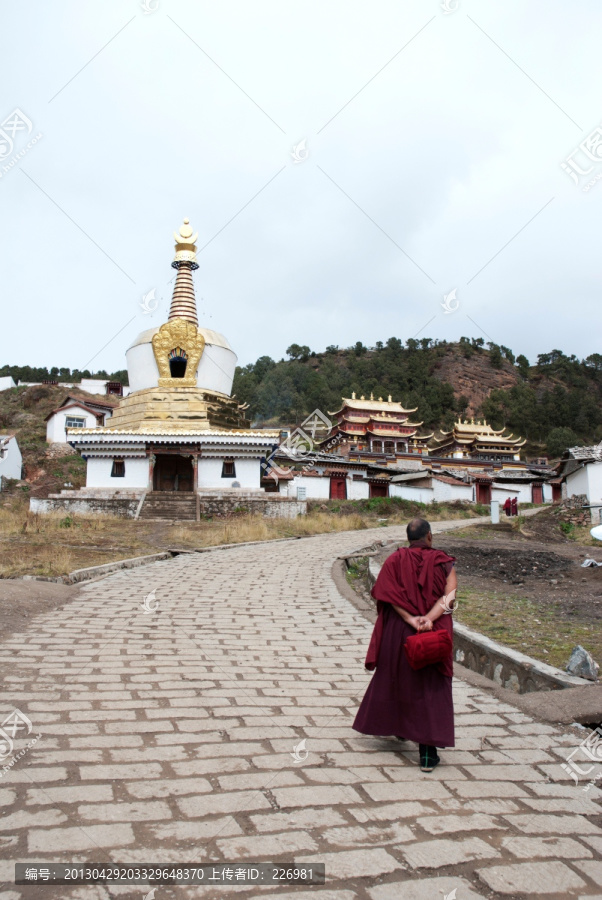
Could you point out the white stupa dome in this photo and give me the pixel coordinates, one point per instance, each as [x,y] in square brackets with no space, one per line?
[215,372]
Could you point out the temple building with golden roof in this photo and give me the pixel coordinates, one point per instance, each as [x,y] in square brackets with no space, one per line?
[376,426]
[179,434]
[477,440]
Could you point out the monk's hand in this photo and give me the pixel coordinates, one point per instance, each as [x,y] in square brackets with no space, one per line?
[425,624]
[414,622]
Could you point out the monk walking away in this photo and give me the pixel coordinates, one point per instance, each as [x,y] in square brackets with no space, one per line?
[410,694]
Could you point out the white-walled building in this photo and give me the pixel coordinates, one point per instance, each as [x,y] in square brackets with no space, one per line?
[581,473]
[75,412]
[11,461]
[6,382]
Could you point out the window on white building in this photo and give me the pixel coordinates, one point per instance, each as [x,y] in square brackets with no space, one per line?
[118,469]
[75,422]
[228,469]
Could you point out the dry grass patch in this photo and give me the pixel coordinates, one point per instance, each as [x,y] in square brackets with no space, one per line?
[539,630]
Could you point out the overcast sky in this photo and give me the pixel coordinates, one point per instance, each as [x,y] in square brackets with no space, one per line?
[432,162]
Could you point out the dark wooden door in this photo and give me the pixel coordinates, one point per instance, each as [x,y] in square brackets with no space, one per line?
[338,488]
[537,493]
[556,493]
[483,493]
[379,490]
[173,473]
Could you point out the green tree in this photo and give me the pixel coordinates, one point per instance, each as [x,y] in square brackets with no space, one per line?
[296,351]
[559,440]
[523,366]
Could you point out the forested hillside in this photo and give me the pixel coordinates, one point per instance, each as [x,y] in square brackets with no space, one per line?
[555,402]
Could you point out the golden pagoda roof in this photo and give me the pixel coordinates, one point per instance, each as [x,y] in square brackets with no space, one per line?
[473,427]
[382,405]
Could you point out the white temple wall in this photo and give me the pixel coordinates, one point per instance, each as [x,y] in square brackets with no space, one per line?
[11,461]
[56,425]
[578,482]
[317,488]
[215,372]
[419,495]
[6,382]
[445,493]
[357,490]
[248,474]
[594,480]
[98,473]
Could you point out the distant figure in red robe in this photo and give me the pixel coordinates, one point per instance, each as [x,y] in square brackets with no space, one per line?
[411,704]
[515,506]
[508,506]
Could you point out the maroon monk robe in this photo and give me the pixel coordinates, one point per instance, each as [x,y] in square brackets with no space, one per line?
[416,705]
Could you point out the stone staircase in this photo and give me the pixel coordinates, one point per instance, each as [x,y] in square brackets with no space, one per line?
[175,505]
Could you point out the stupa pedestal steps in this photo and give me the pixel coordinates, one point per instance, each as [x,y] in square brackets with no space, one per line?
[176,505]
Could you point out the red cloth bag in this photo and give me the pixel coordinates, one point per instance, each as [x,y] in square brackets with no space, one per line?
[428,648]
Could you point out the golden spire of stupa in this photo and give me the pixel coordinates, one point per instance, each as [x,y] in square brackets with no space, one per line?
[183,302]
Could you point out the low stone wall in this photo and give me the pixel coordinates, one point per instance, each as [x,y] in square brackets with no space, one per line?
[269,505]
[228,503]
[571,511]
[109,506]
[506,667]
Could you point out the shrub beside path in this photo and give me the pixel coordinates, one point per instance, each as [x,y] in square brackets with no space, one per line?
[171,700]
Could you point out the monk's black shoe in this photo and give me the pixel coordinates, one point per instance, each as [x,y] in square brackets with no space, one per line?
[429,758]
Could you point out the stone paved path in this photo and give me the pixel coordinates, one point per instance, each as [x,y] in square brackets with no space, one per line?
[168,736]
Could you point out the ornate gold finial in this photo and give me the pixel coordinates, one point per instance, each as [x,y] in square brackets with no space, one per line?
[371,395]
[380,399]
[353,396]
[185,247]
[362,397]
[390,399]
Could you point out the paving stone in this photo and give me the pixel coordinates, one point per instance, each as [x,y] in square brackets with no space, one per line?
[408,773]
[591,868]
[71,840]
[300,818]
[26,819]
[446,824]
[440,853]
[356,863]
[315,796]
[120,772]
[218,804]
[142,811]
[514,773]
[555,847]
[595,842]
[551,877]
[91,793]
[425,889]
[195,831]
[264,846]
[467,789]
[532,823]
[150,790]
[416,790]
[358,835]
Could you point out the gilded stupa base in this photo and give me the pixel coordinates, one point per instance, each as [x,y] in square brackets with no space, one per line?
[178,409]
